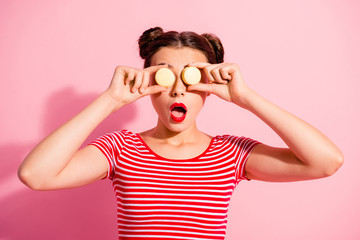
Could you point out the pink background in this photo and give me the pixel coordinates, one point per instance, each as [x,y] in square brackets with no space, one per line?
[304,55]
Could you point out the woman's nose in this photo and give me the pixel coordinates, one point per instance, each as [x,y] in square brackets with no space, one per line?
[178,88]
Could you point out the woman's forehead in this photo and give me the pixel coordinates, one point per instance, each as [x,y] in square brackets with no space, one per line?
[177,56]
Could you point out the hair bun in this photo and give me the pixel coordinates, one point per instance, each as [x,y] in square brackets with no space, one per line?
[146,38]
[216,45]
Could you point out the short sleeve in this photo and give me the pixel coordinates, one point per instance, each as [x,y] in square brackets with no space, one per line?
[243,147]
[110,146]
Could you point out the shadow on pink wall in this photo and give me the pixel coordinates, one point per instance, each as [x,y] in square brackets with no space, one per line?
[83,213]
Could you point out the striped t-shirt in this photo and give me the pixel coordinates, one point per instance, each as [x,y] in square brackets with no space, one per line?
[160,198]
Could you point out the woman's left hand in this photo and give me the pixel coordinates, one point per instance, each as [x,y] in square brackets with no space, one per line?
[224,80]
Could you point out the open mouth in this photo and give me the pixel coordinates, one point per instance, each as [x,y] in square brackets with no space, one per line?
[178,112]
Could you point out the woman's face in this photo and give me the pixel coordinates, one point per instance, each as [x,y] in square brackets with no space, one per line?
[178,108]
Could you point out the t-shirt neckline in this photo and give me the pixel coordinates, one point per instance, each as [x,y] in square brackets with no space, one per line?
[171,159]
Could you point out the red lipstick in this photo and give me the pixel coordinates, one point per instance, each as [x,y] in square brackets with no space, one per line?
[178,112]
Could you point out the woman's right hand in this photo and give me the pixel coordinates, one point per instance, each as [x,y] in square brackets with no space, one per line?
[129,84]
[57,162]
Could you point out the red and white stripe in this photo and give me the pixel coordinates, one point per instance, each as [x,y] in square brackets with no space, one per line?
[160,198]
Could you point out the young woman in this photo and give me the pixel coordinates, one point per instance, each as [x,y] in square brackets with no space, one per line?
[174,181]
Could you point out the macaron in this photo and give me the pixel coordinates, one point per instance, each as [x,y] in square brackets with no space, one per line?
[191,75]
[164,77]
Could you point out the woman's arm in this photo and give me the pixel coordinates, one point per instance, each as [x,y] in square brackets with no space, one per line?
[56,162]
[310,154]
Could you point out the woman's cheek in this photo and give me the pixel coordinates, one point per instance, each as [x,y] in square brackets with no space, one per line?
[159,102]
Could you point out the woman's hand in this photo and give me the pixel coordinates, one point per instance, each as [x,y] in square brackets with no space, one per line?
[310,154]
[57,162]
[129,84]
[224,80]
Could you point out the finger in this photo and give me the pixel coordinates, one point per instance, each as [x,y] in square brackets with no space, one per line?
[224,72]
[202,87]
[119,73]
[207,70]
[206,67]
[217,76]
[130,76]
[138,81]
[145,82]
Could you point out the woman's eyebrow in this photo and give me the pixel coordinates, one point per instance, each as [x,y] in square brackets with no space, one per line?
[164,64]
[171,66]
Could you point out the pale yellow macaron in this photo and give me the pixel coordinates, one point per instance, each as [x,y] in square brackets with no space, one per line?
[191,75]
[164,77]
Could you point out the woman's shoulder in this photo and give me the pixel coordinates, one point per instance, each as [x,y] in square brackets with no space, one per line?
[124,133]
[233,139]
[227,137]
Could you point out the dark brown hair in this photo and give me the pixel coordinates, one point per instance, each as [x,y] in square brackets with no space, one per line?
[155,38]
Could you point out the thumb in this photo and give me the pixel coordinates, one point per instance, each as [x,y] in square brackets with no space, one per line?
[202,87]
[154,89]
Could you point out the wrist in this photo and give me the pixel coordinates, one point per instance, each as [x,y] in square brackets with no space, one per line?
[111,103]
[245,98]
